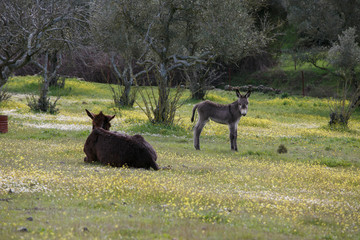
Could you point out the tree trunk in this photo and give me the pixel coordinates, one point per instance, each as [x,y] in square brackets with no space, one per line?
[125,78]
[3,76]
[43,98]
[197,85]
[53,67]
[161,111]
[126,99]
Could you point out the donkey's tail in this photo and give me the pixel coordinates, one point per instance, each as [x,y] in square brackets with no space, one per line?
[193,112]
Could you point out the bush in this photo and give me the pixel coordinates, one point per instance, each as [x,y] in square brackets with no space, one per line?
[42,104]
[4,95]
[282,149]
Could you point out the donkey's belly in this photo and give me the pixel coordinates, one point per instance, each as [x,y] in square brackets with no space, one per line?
[219,120]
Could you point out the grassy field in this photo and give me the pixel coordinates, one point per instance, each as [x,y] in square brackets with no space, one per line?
[310,192]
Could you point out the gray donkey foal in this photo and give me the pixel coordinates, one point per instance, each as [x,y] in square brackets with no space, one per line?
[229,114]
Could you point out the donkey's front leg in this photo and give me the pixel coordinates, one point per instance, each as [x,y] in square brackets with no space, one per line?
[90,154]
[233,136]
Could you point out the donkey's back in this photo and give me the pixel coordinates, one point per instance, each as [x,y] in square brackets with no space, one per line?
[119,150]
[219,113]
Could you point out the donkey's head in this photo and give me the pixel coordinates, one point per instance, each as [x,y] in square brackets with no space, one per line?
[100,120]
[243,102]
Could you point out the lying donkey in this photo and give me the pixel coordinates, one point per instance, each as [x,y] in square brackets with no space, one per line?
[116,149]
[225,114]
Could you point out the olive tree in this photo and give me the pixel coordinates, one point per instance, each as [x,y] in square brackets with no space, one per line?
[160,26]
[344,55]
[319,22]
[118,39]
[30,28]
[343,61]
[227,29]
[173,35]
[19,37]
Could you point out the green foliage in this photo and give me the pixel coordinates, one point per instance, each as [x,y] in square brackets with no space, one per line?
[289,38]
[42,104]
[345,57]
[332,162]
[345,54]
[284,95]
[4,95]
[318,23]
[160,107]
[282,149]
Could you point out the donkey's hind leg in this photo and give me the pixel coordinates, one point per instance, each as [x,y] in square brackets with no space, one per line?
[197,131]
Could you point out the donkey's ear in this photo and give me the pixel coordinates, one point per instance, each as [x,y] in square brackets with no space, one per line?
[248,94]
[89,114]
[238,94]
[110,117]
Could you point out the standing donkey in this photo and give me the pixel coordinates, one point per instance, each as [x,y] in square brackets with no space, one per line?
[229,114]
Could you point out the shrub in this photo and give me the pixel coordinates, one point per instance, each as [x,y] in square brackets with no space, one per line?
[4,95]
[42,104]
[161,107]
[282,149]
[345,56]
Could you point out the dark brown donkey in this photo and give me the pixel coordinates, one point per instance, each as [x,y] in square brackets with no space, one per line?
[100,120]
[116,149]
[229,114]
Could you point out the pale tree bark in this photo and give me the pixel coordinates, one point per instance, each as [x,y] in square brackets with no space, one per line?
[49,71]
[28,27]
[127,78]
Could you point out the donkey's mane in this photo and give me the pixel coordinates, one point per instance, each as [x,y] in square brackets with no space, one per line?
[113,134]
[107,133]
[221,105]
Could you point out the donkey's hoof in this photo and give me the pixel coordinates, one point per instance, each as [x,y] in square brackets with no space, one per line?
[168,167]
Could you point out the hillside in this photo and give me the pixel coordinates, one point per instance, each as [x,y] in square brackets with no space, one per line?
[287,78]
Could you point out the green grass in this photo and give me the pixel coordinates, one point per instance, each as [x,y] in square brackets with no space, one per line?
[310,192]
